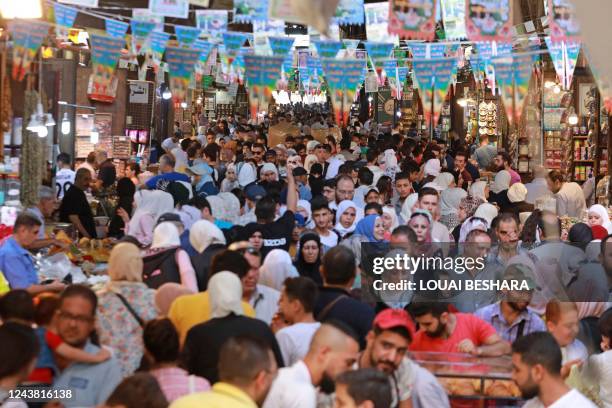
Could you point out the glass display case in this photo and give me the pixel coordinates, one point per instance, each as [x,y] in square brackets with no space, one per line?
[467,377]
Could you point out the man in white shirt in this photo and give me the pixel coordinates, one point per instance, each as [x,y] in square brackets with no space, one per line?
[536,370]
[429,200]
[333,350]
[563,323]
[170,143]
[538,188]
[295,324]
[322,215]
[64,178]
[569,196]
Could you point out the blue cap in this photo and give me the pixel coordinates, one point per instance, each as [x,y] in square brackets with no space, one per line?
[254,192]
[300,220]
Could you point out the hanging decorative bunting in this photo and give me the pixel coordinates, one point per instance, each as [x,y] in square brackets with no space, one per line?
[232,41]
[504,76]
[354,74]
[105,52]
[205,48]
[564,56]
[563,22]
[349,12]
[342,77]
[280,45]
[140,35]
[485,52]
[424,81]
[248,11]
[186,35]
[288,64]
[212,22]
[489,20]
[64,18]
[261,74]
[427,51]
[27,39]
[115,28]
[444,71]
[453,16]
[378,50]
[523,69]
[350,44]
[327,49]
[415,20]
[181,63]
[158,41]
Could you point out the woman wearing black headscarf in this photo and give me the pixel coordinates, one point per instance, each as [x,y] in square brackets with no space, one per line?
[308,257]
[125,191]
[315,179]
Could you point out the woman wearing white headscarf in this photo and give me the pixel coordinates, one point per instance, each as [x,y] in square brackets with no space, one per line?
[309,161]
[598,215]
[390,221]
[345,225]
[450,199]
[166,261]
[219,211]
[276,268]
[499,190]
[487,212]
[445,180]
[231,204]
[479,189]
[150,204]
[208,240]
[408,206]
[269,172]
[517,193]
[304,209]
[204,342]
[471,224]
[432,168]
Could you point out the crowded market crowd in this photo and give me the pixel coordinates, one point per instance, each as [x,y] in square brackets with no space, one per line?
[238,279]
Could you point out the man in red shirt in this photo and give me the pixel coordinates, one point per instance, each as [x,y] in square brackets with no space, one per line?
[443,331]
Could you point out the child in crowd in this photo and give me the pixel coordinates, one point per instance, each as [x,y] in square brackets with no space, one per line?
[40,313]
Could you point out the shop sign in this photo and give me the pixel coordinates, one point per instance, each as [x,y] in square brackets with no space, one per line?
[139,92]
[170,8]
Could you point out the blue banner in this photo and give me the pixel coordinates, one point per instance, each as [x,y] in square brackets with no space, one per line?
[205,48]
[233,41]
[140,34]
[402,73]
[281,45]
[390,66]
[186,35]
[261,73]
[349,12]
[427,51]
[106,50]
[181,63]
[64,15]
[115,28]
[378,50]
[327,49]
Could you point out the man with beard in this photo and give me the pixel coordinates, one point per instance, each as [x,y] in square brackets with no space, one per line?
[536,370]
[333,350]
[387,345]
[503,161]
[511,317]
[443,331]
[507,233]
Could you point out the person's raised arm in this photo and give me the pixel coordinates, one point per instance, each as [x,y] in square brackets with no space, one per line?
[292,194]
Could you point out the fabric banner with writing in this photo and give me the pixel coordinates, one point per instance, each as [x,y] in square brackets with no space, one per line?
[181,63]
[212,22]
[115,28]
[523,69]
[105,53]
[424,81]
[140,35]
[205,48]
[564,56]
[504,76]
[377,21]
[354,75]
[349,12]
[64,18]
[414,20]
[233,41]
[248,11]
[27,39]
[342,76]
[327,49]
[186,35]
[486,51]
[489,20]
[444,71]
[427,51]
[261,73]
[280,45]
[158,41]
[563,22]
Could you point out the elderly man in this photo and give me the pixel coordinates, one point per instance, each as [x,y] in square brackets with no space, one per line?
[46,205]
[166,174]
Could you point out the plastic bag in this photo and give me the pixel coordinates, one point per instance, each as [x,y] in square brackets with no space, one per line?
[58,267]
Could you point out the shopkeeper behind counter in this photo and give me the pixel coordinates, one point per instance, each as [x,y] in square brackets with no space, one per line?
[75,209]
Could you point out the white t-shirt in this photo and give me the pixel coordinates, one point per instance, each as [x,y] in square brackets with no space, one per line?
[330,240]
[168,144]
[572,399]
[294,341]
[599,369]
[64,179]
[574,351]
[292,388]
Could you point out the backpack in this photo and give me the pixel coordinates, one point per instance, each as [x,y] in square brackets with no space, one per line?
[160,268]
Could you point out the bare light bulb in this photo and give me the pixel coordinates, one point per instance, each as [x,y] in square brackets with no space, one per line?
[65,124]
[572,119]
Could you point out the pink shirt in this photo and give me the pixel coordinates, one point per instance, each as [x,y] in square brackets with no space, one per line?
[176,382]
[514,177]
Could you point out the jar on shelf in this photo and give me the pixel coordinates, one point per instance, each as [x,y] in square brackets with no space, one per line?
[13,189]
